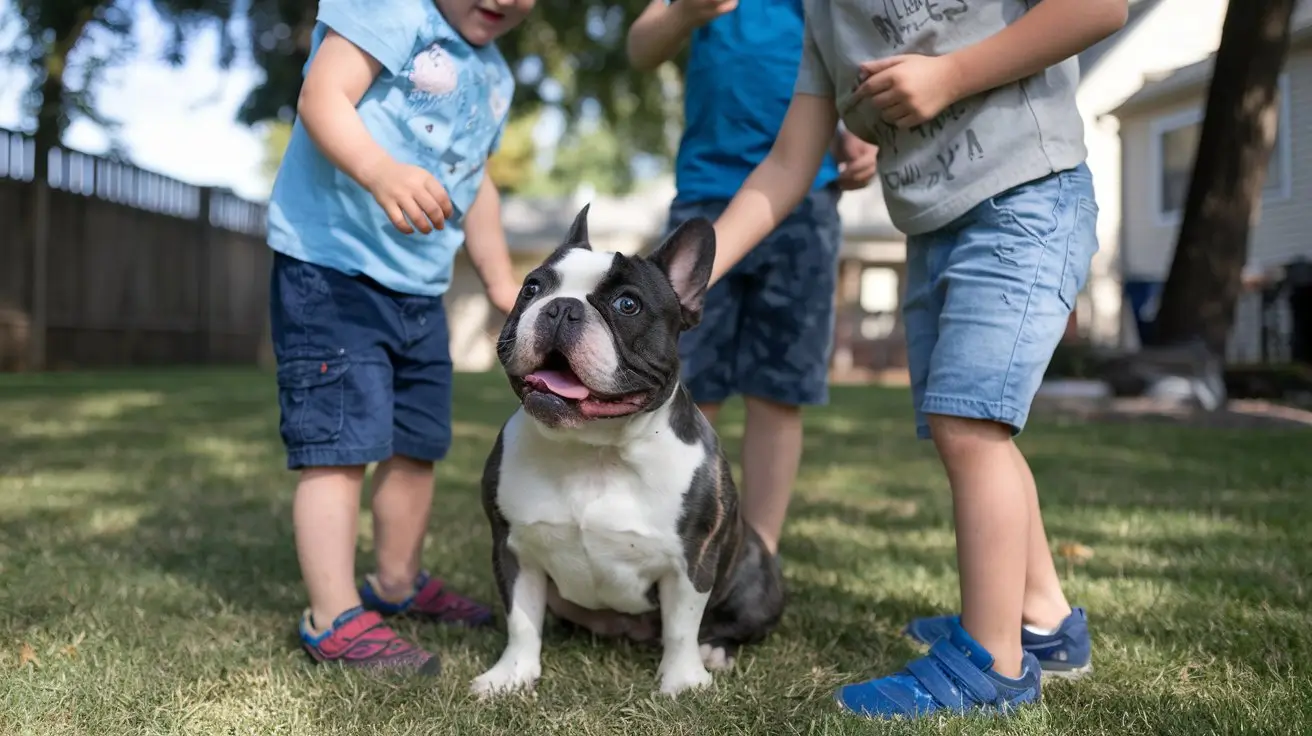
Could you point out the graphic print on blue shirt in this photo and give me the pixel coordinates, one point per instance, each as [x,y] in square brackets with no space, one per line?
[439,103]
[737,86]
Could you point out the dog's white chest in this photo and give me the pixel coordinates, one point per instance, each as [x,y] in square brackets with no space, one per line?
[602,522]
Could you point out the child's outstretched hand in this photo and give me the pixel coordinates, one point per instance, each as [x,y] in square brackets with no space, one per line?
[910,89]
[405,191]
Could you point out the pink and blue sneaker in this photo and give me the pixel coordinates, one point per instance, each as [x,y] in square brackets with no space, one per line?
[431,601]
[955,678]
[1063,653]
[359,638]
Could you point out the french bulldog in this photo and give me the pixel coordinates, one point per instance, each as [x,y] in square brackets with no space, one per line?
[609,498]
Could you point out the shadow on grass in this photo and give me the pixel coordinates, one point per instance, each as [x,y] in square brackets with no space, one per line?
[181,475]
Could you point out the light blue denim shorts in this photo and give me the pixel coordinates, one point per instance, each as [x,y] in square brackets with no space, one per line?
[988,298]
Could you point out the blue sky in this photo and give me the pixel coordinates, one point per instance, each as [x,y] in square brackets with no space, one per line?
[180,122]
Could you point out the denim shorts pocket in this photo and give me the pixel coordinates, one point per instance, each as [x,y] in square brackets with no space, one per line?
[312,395]
[1081,245]
[1034,207]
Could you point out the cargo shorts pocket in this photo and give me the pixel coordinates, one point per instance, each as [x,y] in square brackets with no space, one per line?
[312,395]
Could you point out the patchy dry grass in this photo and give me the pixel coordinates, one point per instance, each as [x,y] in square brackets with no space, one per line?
[150,585]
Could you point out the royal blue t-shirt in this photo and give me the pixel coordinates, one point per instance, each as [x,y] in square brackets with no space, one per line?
[439,103]
[739,81]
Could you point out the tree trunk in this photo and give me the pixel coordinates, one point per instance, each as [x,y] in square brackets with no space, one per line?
[50,123]
[52,115]
[1198,300]
[51,120]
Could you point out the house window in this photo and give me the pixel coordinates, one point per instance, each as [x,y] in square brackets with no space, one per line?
[879,302]
[1175,143]
[878,290]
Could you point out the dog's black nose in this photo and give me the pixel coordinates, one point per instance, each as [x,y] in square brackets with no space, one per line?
[568,309]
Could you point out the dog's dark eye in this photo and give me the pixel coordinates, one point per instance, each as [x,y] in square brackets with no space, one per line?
[627,306]
[530,290]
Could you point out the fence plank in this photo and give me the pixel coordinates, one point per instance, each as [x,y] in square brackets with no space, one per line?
[136,268]
[39,308]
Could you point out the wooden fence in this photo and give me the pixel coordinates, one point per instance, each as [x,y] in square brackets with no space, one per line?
[112,266]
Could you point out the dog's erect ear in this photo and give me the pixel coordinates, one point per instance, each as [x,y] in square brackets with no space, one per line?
[577,237]
[578,232]
[686,258]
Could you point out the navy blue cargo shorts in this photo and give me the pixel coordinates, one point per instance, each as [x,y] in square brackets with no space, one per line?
[768,326]
[364,372]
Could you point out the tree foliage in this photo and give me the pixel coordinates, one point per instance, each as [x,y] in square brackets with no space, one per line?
[69,44]
[515,164]
[568,55]
[586,157]
[274,137]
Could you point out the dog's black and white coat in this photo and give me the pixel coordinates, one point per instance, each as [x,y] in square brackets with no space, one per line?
[609,498]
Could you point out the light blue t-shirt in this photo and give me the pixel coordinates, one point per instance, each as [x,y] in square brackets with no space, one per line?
[439,103]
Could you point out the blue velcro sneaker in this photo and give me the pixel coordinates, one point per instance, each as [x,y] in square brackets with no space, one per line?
[956,677]
[1064,653]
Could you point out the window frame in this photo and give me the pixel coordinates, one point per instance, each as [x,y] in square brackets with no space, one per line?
[1282,153]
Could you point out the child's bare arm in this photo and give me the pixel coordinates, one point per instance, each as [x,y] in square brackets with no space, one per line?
[485,241]
[337,79]
[662,28]
[779,182]
[1049,33]
[910,89]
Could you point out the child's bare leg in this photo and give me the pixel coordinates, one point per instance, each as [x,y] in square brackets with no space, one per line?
[402,499]
[772,451]
[325,518]
[992,517]
[1045,605]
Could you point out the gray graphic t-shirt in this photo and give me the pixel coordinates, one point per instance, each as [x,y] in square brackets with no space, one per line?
[975,149]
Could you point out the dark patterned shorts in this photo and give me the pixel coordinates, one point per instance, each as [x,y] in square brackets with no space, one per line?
[768,327]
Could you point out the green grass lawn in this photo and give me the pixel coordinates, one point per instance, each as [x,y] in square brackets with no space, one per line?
[148,582]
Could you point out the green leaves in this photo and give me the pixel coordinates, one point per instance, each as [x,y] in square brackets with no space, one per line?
[69,44]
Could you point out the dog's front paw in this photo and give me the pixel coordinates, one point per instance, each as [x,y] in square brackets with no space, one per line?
[690,675]
[507,677]
[716,658]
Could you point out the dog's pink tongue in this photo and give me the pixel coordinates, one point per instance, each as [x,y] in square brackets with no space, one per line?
[562,383]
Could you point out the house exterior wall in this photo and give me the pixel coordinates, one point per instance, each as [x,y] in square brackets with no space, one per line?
[1282,221]
[1172,34]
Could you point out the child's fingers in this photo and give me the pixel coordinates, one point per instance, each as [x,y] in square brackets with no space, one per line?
[888,98]
[861,170]
[893,113]
[439,195]
[902,115]
[397,217]
[873,86]
[416,214]
[875,66]
[429,204]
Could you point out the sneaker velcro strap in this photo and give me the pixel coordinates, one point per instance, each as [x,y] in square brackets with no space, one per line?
[967,686]
[358,626]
